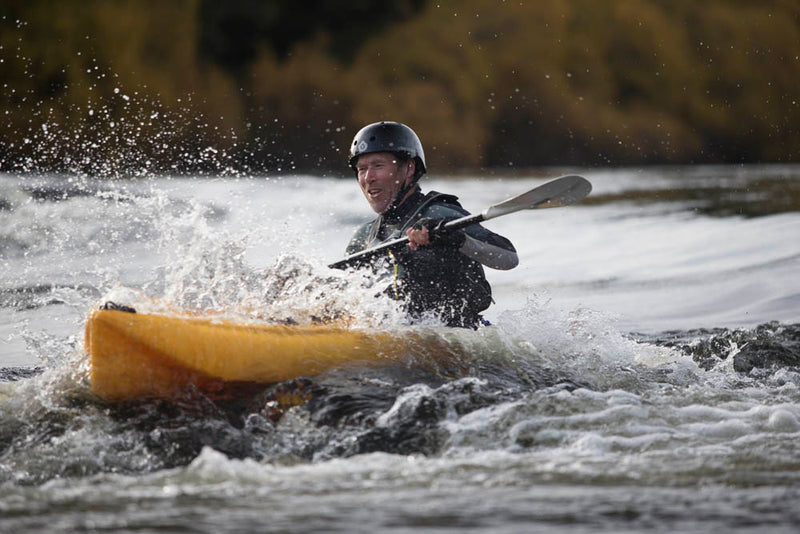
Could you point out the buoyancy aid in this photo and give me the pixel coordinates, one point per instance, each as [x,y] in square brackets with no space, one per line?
[430,281]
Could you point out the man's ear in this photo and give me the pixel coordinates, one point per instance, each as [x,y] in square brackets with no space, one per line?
[411,169]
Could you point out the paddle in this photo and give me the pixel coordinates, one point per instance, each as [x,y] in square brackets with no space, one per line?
[556,193]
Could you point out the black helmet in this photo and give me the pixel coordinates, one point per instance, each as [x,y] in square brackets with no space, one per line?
[388,136]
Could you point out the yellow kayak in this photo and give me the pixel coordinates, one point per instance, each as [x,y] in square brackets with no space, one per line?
[138,355]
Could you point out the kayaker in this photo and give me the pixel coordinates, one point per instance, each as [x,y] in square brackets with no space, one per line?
[437,274]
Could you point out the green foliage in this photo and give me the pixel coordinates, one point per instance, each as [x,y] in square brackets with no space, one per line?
[232,31]
[140,86]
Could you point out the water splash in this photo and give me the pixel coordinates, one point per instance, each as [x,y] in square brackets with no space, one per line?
[586,343]
[114,132]
[205,270]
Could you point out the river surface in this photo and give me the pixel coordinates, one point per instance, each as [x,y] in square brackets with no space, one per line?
[641,374]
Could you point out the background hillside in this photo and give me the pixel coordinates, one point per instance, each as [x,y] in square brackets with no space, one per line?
[142,87]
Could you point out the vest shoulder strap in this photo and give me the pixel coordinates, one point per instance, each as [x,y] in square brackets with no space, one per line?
[433,197]
[430,198]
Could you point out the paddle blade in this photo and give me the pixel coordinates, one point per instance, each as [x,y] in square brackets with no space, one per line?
[559,192]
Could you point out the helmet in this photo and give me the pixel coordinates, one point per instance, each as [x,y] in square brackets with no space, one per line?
[388,136]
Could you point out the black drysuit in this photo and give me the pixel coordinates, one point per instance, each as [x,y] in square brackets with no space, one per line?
[439,280]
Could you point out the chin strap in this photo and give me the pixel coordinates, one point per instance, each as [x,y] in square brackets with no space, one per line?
[400,196]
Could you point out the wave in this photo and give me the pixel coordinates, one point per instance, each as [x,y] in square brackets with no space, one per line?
[524,387]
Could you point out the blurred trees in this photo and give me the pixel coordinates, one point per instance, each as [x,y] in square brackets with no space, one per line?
[144,87]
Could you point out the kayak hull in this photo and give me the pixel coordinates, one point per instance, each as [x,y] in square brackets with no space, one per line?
[135,355]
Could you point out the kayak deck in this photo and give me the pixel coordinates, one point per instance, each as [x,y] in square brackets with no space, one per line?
[136,355]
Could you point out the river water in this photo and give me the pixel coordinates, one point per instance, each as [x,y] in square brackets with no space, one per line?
[641,374]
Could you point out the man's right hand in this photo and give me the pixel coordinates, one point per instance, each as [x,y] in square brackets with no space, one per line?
[430,232]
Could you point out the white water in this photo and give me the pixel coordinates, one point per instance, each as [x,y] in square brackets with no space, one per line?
[648,441]
[648,267]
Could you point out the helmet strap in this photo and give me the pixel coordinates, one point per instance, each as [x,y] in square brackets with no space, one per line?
[401,196]
[404,191]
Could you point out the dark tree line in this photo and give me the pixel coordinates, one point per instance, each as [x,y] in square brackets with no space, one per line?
[138,87]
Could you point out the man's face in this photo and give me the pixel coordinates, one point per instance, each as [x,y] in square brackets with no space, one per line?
[380,178]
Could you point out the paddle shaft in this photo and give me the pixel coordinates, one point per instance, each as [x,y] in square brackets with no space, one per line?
[394,244]
[559,192]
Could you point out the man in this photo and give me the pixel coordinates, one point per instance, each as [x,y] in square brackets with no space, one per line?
[439,273]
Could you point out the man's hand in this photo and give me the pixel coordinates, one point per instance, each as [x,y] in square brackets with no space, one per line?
[430,232]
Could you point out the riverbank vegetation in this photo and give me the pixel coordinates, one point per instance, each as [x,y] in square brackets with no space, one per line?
[117,88]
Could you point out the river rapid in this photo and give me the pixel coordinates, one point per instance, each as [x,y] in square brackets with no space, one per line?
[641,374]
